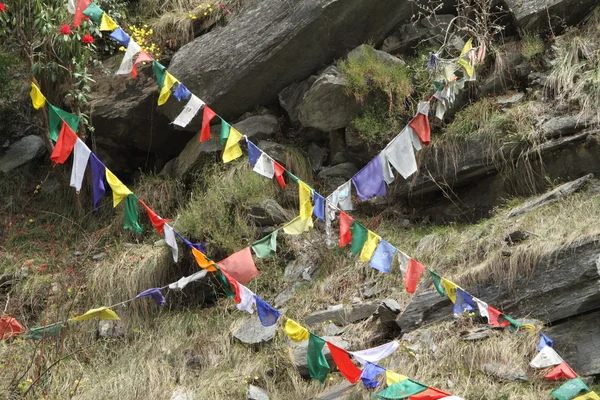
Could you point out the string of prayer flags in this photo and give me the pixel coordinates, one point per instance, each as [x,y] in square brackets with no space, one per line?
[266,313]
[298,226]
[181,92]
[79,8]
[392,377]
[562,370]
[386,168]
[318,367]
[155,294]
[142,57]
[376,354]
[227,283]
[120,36]
[240,266]
[345,233]
[245,298]
[304,192]
[319,206]
[544,341]
[165,90]
[369,181]
[369,375]
[225,128]
[94,13]
[400,154]
[370,245]
[253,153]
[207,116]
[120,191]
[463,302]
[420,123]
[494,317]
[102,313]
[279,170]
[183,282]
[56,117]
[64,145]
[81,156]
[98,174]
[295,331]
[437,283]
[171,242]
[202,261]
[37,98]
[266,246]
[107,23]
[342,360]
[401,390]
[155,219]
[414,271]
[483,308]
[430,394]
[265,166]
[344,196]
[160,73]
[197,246]
[131,214]
[547,357]
[450,289]
[45,331]
[131,54]
[383,257]
[9,327]
[359,237]
[570,389]
[188,113]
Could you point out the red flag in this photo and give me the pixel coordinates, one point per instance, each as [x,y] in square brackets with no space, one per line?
[562,370]
[10,327]
[240,266]
[234,286]
[207,115]
[430,394]
[279,170]
[413,275]
[79,9]
[158,222]
[344,363]
[142,57]
[493,317]
[420,125]
[64,145]
[345,233]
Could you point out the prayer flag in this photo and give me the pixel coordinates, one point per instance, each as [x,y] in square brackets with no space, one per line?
[547,357]
[279,170]
[376,354]
[37,98]
[341,358]
[467,66]
[562,370]
[467,47]
[103,313]
[232,147]
[265,166]
[298,226]
[225,127]
[131,54]
[588,396]
[370,245]
[318,367]
[369,181]
[107,23]
[120,191]
[386,169]
[544,341]
[402,390]
[450,288]
[413,275]
[253,153]
[131,214]
[329,218]
[483,308]
[165,91]
[79,8]
[81,156]
[94,13]
[183,282]
[266,246]
[171,242]
[56,117]
[207,116]
[160,73]
[245,298]
[383,257]
[430,394]
[267,314]
[570,389]
[120,36]
[295,331]
[304,192]
[182,93]
[98,174]
[319,208]
[155,219]
[369,375]
[46,331]
[197,246]
[202,261]
[344,195]
[403,261]
[437,283]
[64,145]
[420,124]
[359,237]
[345,233]
[142,57]
[190,110]
[71,7]
[494,316]
[463,302]
[155,294]
[227,283]
[401,155]
[394,377]
[240,266]
[10,327]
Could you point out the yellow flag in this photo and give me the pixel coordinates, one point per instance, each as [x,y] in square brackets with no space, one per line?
[369,247]
[165,91]
[588,396]
[107,23]
[119,190]
[37,98]
[469,69]
[394,377]
[450,288]
[232,147]
[306,207]
[202,261]
[296,332]
[105,314]
[468,46]
[298,226]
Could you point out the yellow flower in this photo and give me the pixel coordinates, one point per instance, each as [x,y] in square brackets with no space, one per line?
[205,13]
[210,9]
[122,48]
[145,25]
[150,32]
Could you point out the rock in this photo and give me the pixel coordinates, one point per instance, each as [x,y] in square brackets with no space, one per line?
[181,393]
[479,334]
[276,150]
[111,329]
[509,373]
[291,97]
[297,270]
[169,169]
[353,140]
[387,312]
[563,125]
[337,392]
[299,352]
[317,156]
[268,213]
[27,149]
[370,290]
[333,330]
[99,256]
[409,35]
[534,15]
[360,52]
[337,175]
[283,297]
[249,61]
[258,127]
[391,305]
[256,393]
[253,333]
[510,98]
[194,151]
[516,237]
[326,105]
[341,315]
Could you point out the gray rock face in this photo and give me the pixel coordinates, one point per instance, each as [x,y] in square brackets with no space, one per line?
[257,393]
[411,34]
[505,372]
[25,150]
[338,392]
[359,53]
[341,315]
[291,97]
[193,152]
[326,105]
[253,333]
[532,15]
[337,175]
[317,156]
[268,213]
[300,349]
[258,127]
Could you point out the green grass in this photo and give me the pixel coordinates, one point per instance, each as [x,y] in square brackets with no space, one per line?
[532,45]
[374,124]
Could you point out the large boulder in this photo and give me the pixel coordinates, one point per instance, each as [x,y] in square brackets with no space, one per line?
[291,97]
[430,30]
[252,332]
[27,149]
[533,15]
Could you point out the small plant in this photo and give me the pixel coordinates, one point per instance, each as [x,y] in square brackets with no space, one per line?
[532,45]
[373,125]
[144,36]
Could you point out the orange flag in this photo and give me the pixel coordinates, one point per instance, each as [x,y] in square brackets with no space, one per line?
[202,261]
[240,266]
[64,145]
[562,370]
[413,275]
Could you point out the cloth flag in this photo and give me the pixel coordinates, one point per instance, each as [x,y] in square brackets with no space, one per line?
[56,117]
[386,168]
[225,128]
[131,54]
[318,367]
[103,313]
[71,6]
[319,207]
[420,123]
[229,285]
[544,341]
[131,214]
[562,370]
[253,153]
[155,219]
[413,275]
[165,90]
[430,394]
[295,331]
[120,36]
[298,226]
[182,93]
[207,116]
[467,66]
[369,181]
[547,357]
[81,156]
[265,166]
[344,195]
[403,261]
[394,377]
[437,283]
[190,110]
[245,299]
[107,23]
[183,282]
[279,170]
[483,308]
[570,389]
[142,57]
[79,8]
[494,316]
[120,191]
[402,390]
[155,294]
[370,245]
[64,145]
[588,396]
[359,237]
[37,98]
[304,193]
[267,314]
[44,331]
[9,327]
[232,146]
[98,174]
[450,288]
[266,246]
[401,155]
[329,218]
[383,257]
[197,246]
[202,261]
[160,73]
[240,266]
[94,13]
[341,358]
[369,375]
[345,233]
[375,354]
[463,302]
[171,242]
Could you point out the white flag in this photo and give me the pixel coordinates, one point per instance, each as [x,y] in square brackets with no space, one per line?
[81,155]
[247,299]
[547,357]
[170,239]
[71,6]
[180,284]
[129,58]
[403,261]
[345,196]
[376,353]
[388,174]
[265,166]
[190,110]
[401,155]
[483,308]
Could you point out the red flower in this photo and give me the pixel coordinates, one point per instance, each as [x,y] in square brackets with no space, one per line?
[87,39]
[2,7]
[65,29]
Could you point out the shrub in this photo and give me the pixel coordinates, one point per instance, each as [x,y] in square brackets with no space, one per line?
[532,45]
[373,125]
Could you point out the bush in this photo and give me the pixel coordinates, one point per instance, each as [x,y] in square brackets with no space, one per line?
[374,126]
[532,45]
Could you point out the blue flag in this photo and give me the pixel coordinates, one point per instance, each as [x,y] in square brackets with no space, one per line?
[544,341]
[383,257]
[267,314]
[198,246]
[464,302]
[120,36]
[155,294]
[369,181]
[182,93]
[369,375]
[319,207]
[253,153]
[98,174]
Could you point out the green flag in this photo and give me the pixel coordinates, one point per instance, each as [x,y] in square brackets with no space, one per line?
[131,214]
[293,177]
[44,331]
[437,86]
[225,127]
[514,324]
[266,246]
[570,389]
[160,72]
[437,282]
[54,122]
[359,237]
[94,13]
[317,363]
[224,282]
[401,390]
